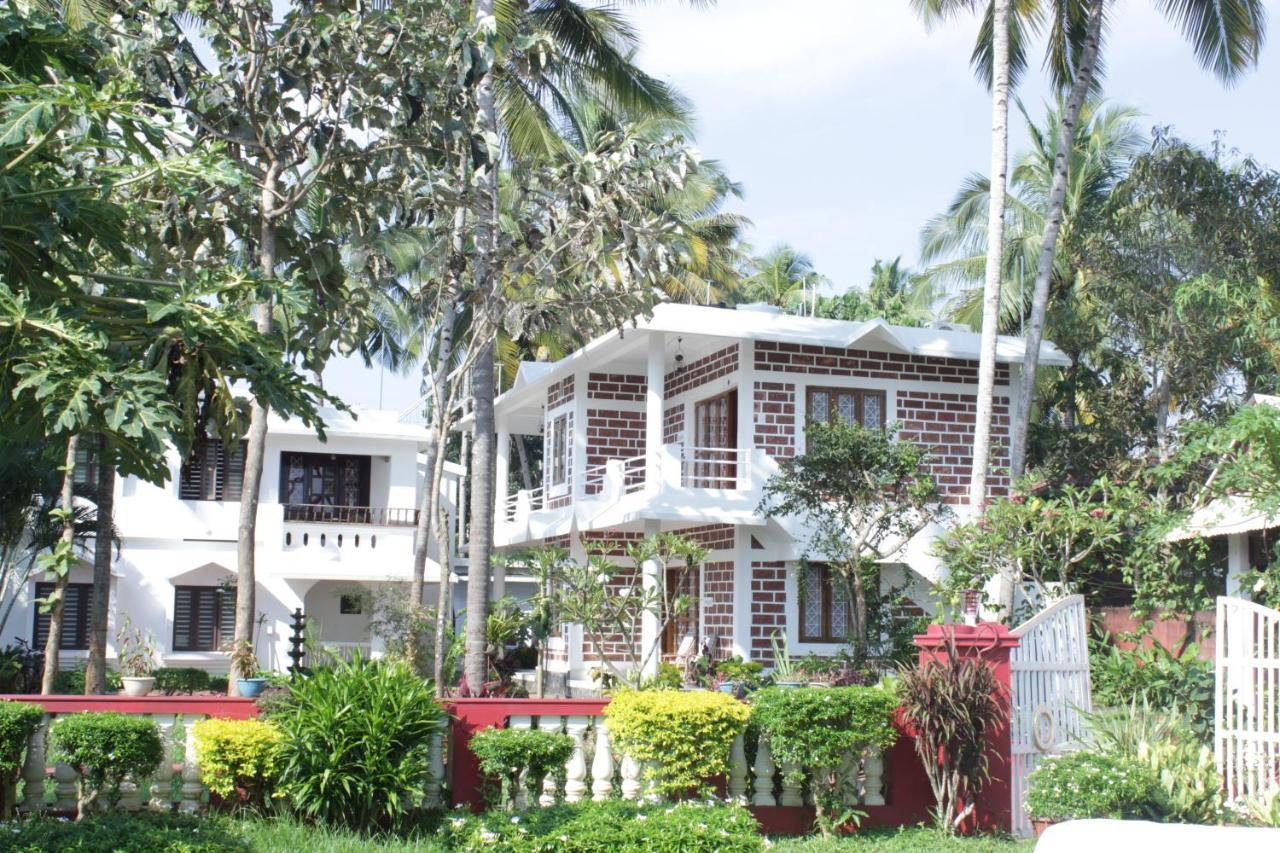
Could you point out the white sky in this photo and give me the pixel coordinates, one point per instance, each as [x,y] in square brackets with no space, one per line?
[849,125]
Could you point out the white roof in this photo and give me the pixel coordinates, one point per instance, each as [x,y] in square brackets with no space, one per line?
[1224,517]
[760,325]
[358,423]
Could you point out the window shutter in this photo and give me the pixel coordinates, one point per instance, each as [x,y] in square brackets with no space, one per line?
[75,617]
[226,615]
[182,614]
[233,480]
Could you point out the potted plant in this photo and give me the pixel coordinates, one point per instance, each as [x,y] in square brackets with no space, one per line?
[137,656]
[786,672]
[736,676]
[244,668]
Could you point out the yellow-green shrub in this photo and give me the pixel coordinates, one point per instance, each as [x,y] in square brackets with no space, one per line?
[682,739]
[238,758]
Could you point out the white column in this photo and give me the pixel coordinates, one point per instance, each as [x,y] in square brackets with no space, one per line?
[742,556]
[502,460]
[650,628]
[1237,562]
[578,436]
[655,376]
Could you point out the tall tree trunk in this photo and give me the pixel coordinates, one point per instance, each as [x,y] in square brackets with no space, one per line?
[95,673]
[54,640]
[488,289]
[256,446]
[1049,242]
[995,254]
[526,470]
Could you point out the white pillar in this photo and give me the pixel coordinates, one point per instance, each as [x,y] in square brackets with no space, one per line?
[656,377]
[578,436]
[650,629]
[1237,562]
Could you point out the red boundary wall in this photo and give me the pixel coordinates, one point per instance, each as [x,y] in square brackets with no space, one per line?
[234,708]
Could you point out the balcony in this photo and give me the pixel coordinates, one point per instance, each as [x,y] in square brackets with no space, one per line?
[376,516]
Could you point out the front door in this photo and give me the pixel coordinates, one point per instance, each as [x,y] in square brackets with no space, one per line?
[715,440]
[679,582]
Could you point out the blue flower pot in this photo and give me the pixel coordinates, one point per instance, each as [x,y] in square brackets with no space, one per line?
[250,688]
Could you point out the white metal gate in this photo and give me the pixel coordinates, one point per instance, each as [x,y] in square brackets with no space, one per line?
[1049,690]
[1246,700]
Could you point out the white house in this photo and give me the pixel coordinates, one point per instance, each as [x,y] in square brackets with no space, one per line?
[336,521]
[677,423]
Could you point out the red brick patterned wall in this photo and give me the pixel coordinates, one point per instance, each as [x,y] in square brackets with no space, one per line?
[768,607]
[615,386]
[560,392]
[704,370]
[835,361]
[943,423]
[673,425]
[613,434]
[717,584]
[713,537]
[619,539]
[774,408]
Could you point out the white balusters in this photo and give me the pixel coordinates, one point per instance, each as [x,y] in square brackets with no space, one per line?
[873,784]
[791,791]
[548,798]
[602,764]
[33,770]
[575,785]
[847,773]
[764,770]
[192,789]
[630,778]
[518,796]
[130,795]
[738,771]
[65,798]
[435,767]
[162,781]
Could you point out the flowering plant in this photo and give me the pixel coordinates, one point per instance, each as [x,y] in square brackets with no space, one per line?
[1092,785]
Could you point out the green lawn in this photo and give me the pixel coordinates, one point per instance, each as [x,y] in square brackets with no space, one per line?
[903,841]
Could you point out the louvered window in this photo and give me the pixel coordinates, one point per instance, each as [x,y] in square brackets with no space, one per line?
[75,617]
[824,606]
[204,618]
[214,472]
[86,473]
[849,405]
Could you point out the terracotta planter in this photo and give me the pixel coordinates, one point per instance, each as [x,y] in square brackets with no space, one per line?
[1039,825]
[136,687]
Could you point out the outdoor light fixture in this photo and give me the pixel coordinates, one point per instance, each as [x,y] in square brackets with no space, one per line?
[679,352]
[969,599]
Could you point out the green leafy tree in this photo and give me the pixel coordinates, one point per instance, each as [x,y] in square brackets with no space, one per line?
[863,494]
[783,277]
[895,294]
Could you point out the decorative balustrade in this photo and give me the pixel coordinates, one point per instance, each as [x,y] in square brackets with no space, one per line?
[715,468]
[373,516]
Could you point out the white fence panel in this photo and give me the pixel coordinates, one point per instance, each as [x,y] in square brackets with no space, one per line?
[1247,697]
[1049,690]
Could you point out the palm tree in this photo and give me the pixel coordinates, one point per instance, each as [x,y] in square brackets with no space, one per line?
[784,277]
[997,29]
[1227,39]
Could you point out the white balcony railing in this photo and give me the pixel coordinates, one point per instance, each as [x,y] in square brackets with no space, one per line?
[715,468]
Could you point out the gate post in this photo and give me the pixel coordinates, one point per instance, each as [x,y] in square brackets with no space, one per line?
[991,643]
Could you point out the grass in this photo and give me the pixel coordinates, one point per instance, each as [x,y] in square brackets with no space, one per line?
[905,840]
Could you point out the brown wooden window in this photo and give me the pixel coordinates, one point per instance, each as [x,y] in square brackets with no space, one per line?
[324,479]
[75,617]
[558,447]
[204,618]
[825,615]
[214,472]
[850,405]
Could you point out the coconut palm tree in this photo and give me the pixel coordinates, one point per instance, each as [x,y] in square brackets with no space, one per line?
[783,276]
[998,27]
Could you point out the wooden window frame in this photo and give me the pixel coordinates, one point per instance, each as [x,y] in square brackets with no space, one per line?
[222,634]
[860,396]
[338,461]
[78,640]
[710,469]
[828,606]
[195,482]
[560,448]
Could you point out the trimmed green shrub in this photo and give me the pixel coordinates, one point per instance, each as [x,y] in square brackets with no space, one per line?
[1091,785]
[814,729]
[118,831]
[609,827]
[355,743]
[186,679]
[104,748]
[506,753]
[681,739]
[238,759]
[70,682]
[219,684]
[18,721]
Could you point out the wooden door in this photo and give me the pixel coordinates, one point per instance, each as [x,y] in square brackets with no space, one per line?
[715,438]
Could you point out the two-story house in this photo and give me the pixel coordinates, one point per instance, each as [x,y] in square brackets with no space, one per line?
[677,424]
[336,522]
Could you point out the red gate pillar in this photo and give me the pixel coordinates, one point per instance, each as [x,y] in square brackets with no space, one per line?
[992,643]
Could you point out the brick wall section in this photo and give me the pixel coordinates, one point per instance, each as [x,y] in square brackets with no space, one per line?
[612,434]
[618,539]
[774,412]
[943,423]
[559,393]
[768,607]
[673,425]
[709,368]
[615,386]
[713,537]
[717,584]
[835,361]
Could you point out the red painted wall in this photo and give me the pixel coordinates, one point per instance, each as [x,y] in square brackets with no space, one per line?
[233,708]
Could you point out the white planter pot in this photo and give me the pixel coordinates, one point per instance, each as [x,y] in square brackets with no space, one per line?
[138,686]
